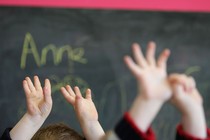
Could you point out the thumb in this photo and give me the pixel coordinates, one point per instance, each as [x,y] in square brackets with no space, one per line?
[178,90]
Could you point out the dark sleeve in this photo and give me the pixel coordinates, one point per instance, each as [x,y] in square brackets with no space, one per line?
[126,129]
[6,135]
[182,135]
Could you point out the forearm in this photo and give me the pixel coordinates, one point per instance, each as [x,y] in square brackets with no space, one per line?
[194,122]
[144,111]
[26,127]
[126,129]
[92,130]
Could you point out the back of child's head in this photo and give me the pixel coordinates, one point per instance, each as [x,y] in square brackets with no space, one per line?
[57,131]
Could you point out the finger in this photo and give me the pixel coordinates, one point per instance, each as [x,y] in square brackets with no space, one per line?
[183,81]
[192,81]
[180,79]
[150,54]
[66,95]
[174,78]
[70,91]
[30,84]
[135,70]
[178,90]
[26,88]
[138,56]
[47,91]
[190,84]
[78,103]
[77,91]
[88,94]
[162,60]
[37,83]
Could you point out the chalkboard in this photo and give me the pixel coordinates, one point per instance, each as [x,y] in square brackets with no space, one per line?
[86,48]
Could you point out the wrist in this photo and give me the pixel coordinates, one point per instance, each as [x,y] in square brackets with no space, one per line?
[194,123]
[148,106]
[92,129]
[143,111]
[192,111]
[89,123]
[34,119]
[26,127]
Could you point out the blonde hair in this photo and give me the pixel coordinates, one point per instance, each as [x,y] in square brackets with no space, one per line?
[58,131]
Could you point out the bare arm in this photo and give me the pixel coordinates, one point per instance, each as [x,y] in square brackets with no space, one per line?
[153,88]
[187,99]
[86,112]
[153,91]
[39,105]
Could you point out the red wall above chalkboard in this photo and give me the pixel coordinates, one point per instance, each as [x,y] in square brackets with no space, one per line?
[147,5]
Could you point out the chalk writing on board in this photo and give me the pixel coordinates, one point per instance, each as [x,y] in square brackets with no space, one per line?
[74,55]
[30,48]
[192,70]
[57,82]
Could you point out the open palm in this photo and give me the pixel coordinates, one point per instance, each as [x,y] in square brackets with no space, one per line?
[150,74]
[84,107]
[39,100]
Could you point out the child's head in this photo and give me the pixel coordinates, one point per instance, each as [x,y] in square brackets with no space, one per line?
[57,132]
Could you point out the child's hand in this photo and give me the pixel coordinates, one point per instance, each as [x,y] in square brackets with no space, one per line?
[185,94]
[39,100]
[152,83]
[188,101]
[86,112]
[150,74]
[84,107]
[39,105]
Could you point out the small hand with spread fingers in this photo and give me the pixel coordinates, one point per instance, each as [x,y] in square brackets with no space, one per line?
[152,83]
[39,105]
[39,100]
[85,110]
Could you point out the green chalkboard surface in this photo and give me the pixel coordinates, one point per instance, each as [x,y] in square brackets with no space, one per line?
[86,48]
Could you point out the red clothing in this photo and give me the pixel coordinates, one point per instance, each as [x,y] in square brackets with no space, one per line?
[182,135]
[126,129]
[149,135]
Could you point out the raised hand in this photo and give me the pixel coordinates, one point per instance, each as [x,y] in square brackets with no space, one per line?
[184,92]
[39,100]
[39,105]
[153,87]
[86,112]
[151,75]
[84,107]
[187,99]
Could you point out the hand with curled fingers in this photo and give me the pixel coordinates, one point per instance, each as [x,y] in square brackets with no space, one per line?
[187,99]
